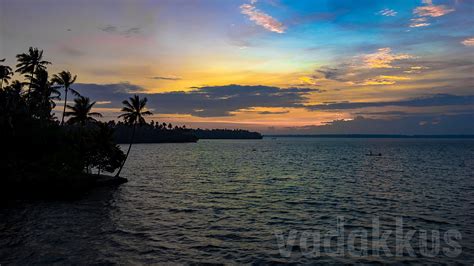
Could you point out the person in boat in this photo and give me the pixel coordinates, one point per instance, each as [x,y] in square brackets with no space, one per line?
[372,154]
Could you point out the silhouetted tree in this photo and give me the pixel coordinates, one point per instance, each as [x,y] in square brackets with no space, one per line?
[5,74]
[12,106]
[29,63]
[42,96]
[105,154]
[81,111]
[133,114]
[65,79]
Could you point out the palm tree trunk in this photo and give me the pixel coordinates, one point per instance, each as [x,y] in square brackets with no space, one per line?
[128,151]
[64,109]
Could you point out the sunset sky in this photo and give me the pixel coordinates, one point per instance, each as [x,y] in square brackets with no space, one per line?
[277,66]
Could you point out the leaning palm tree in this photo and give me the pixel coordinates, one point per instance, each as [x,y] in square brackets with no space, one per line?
[133,115]
[5,74]
[81,111]
[29,63]
[64,79]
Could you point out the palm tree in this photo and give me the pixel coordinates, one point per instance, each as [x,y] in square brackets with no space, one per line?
[64,79]
[43,95]
[5,74]
[29,63]
[133,114]
[81,111]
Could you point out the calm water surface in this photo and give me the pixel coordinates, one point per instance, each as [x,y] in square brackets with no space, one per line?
[224,201]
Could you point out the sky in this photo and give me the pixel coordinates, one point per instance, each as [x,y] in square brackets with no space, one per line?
[276,66]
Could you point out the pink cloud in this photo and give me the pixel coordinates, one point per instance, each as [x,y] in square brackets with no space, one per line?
[432,11]
[419,22]
[262,19]
[468,42]
[427,11]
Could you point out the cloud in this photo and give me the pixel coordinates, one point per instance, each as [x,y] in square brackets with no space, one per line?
[432,11]
[273,113]
[415,69]
[419,22]
[468,42]
[358,73]
[114,93]
[411,125]
[383,80]
[166,78]
[261,18]
[332,73]
[428,11]
[71,51]
[428,101]
[127,32]
[108,28]
[383,58]
[387,12]
[209,101]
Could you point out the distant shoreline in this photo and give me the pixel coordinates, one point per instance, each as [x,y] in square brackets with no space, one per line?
[373,136]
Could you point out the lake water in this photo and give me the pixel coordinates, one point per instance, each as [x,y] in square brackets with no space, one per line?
[262,201]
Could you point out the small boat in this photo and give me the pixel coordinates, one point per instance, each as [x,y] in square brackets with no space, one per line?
[373,154]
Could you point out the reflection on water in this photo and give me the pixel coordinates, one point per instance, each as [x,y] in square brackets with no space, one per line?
[223,201]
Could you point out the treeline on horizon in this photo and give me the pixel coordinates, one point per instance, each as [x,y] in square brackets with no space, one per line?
[155,132]
[39,147]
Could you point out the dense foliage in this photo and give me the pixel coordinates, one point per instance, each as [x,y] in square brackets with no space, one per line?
[35,145]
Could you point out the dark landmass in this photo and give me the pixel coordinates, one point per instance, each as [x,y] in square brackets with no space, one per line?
[225,134]
[44,156]
[381,136]
[149,133]
[167,133]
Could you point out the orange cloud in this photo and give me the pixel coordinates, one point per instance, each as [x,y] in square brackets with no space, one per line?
[383,58]
[383,80]
[415,69]
[468,42]
[432,11]
[262,19]
[419,22]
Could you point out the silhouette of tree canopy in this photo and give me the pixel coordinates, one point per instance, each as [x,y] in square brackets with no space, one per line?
[5,74]
[65,79]
[43,95]
[81,111]
[37,151]
[134,112]
[29,63]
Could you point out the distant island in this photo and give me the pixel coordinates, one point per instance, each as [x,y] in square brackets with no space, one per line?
[46,156]
[154,132]
[225,134]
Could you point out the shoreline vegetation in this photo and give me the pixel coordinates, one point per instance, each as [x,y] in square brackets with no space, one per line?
[44,156]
